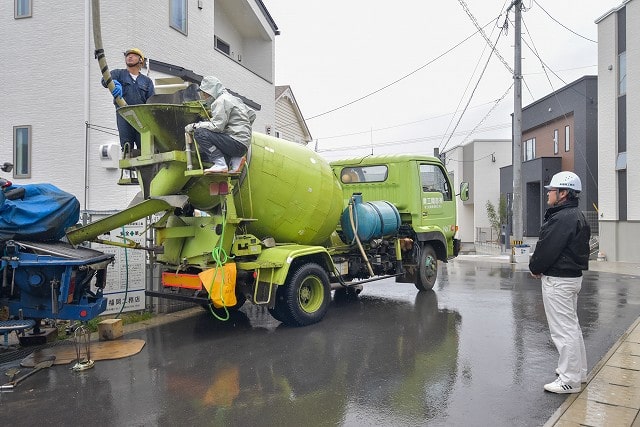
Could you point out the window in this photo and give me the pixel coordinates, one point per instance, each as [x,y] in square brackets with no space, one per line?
[433,180]
[364,174]
[567,139]
[178,15]
[223,46]
[22,151]
[622,73]
[555,141]
[529,149]
[22,9]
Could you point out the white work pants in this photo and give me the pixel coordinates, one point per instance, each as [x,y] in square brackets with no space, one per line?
[560,297]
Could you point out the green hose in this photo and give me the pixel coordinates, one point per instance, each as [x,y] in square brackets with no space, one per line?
[220,257]
[126,276]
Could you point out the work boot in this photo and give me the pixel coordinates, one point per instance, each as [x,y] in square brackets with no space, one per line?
[237,163]
[219,166]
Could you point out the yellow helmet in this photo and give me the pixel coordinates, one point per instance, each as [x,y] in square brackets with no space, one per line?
[136,51]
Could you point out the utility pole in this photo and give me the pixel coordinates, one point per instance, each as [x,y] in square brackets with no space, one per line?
[518,228]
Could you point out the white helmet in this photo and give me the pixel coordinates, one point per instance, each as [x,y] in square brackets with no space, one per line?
[566,180]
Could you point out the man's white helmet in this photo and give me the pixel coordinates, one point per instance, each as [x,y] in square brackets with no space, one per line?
[565,180]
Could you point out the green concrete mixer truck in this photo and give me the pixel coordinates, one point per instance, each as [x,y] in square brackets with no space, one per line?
[290,227]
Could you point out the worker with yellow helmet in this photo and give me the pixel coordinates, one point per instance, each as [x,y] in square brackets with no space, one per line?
[135,88]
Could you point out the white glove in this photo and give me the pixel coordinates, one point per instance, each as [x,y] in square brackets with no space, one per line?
[191,127]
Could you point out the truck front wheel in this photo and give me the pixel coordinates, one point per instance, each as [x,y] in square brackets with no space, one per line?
[427,269]
[304,298]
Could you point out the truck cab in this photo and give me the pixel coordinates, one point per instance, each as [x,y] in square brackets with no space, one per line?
[421,190]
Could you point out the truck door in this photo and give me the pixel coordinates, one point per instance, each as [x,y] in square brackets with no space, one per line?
[437,203]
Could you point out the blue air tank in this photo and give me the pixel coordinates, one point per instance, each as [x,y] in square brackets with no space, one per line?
[371,220]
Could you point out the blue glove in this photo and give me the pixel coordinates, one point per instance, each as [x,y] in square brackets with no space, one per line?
[117,90]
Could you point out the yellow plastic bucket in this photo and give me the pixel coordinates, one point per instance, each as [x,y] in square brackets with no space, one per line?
[219,278]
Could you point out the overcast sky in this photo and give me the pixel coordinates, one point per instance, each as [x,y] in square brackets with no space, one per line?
[334,52]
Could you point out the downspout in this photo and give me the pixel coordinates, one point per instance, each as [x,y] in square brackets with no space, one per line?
[86,106]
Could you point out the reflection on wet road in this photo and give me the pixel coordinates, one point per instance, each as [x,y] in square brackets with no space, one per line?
[474,352]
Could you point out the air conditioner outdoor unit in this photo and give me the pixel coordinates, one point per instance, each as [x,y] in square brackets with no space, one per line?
[109,155]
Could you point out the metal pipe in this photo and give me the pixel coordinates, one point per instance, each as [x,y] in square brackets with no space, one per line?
[188,140]
[338,285]
[355,233]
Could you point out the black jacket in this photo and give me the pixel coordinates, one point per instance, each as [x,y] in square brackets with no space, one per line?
[563,246]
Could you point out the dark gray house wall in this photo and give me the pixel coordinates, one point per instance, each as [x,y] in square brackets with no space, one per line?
[574,107]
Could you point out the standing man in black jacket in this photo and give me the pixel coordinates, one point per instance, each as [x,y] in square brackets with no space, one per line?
[562,252]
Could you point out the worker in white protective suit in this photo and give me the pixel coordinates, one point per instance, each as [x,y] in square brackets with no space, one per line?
[562,252]
[227,136]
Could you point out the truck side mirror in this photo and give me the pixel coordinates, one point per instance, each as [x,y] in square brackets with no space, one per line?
[464,191]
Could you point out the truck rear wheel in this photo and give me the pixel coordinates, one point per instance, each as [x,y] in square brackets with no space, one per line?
[304,298]
[427,269]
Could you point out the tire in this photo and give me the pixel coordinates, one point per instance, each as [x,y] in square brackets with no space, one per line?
[427,269]
[305,296]
[277,311]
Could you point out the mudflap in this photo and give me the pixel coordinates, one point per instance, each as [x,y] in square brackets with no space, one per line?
[457,244]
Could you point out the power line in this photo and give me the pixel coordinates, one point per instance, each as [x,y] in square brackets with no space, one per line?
[488,113]
[395,81]
[562,25]
[493,49]
[464,93]
[564,69]
[545,65]
[535,52]
[401,124]
[412,140]
[484,35]
[555,94]
[472,161]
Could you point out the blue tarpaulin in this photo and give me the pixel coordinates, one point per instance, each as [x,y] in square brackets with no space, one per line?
[42,215]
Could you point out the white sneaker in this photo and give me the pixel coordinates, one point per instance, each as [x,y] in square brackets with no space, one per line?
[219,166]
[216,169]
[560,387]
[237,163]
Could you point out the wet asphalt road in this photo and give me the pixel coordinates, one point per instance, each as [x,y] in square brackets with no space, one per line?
[476,352]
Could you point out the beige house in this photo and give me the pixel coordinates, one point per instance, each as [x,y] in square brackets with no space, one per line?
[290,124]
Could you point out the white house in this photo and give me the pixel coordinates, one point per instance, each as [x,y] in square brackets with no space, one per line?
[56,114]
[619,131]
[477,162]
[290,123]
